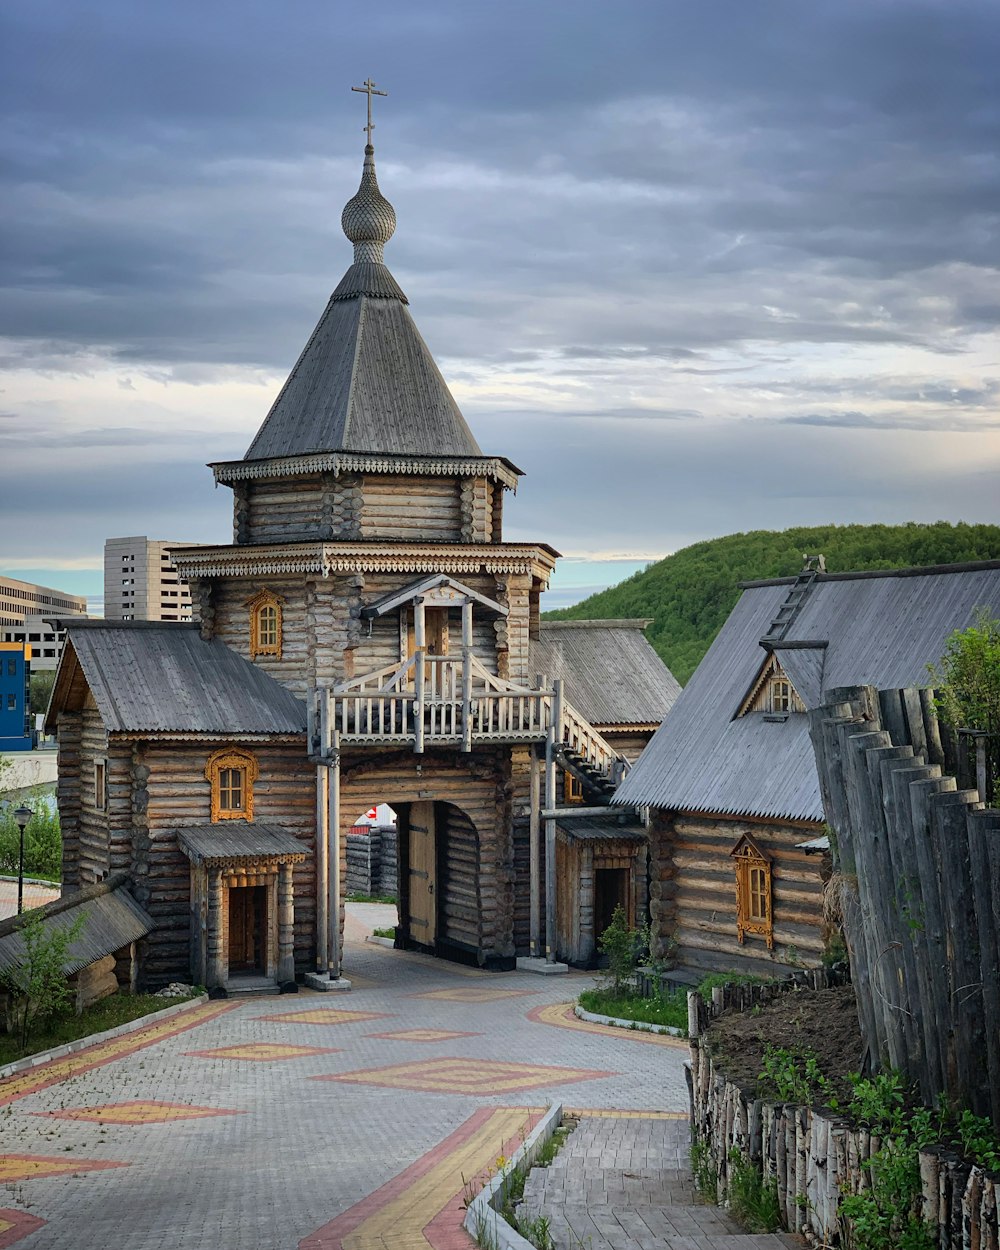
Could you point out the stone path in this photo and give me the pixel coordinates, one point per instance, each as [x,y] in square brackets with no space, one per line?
[624,1183]
[34,896]
[311,1120]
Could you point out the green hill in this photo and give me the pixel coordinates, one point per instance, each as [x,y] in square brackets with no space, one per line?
[690,594]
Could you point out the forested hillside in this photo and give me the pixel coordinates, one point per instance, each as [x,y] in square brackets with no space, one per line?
[690,594]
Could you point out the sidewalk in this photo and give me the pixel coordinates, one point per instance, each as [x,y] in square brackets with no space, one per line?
[624,1183]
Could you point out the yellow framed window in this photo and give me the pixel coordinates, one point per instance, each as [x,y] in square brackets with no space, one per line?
[231,774]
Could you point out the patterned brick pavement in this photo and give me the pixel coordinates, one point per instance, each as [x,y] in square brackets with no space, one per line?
[316,1162]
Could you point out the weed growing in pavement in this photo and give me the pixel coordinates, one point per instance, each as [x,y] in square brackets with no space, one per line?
[537,1229]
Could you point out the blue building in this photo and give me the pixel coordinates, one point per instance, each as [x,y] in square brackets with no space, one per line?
[15,718]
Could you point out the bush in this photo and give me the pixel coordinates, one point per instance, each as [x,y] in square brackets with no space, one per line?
[38,988]
[625,947]
[42,844]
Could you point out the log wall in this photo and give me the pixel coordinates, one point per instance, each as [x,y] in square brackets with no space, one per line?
[693,893]
[815,1157]
[170,791]
[918,871]
[93,858]
[412,509]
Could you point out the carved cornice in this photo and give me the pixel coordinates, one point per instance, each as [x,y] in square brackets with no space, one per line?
[493,467]
[327,558]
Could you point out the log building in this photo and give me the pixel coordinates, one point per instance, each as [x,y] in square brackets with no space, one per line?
[738,845]
[366,637]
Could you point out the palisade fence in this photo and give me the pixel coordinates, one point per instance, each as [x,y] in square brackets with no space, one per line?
[917,864]
[812,1156]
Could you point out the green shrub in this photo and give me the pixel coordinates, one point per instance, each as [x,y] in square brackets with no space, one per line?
[42,844]
[625,947]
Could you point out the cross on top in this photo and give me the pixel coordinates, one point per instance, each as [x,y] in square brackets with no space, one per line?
[369,90]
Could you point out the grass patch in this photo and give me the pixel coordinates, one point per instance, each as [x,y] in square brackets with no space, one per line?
[107,1014]
[386,933]
[669,1010]
[371,898]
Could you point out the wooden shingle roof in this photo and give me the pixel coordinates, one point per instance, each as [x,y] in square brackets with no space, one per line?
[880,629]
[610,672]
[153,677]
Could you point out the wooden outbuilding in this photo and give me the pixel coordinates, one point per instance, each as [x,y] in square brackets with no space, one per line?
[738,845]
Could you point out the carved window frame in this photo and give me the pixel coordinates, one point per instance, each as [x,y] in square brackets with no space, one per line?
[265,607]
[754,894]
[227,760]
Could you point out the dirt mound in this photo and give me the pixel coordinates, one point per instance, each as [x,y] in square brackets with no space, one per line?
[823,1023]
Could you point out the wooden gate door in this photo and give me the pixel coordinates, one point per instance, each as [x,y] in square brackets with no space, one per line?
[246,928]
[423,874]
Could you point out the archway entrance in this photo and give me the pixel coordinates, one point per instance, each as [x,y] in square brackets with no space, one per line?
[439,905]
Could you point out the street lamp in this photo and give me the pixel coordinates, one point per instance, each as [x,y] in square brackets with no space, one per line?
[22,815]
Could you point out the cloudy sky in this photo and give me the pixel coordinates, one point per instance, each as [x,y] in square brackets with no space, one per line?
[696,268]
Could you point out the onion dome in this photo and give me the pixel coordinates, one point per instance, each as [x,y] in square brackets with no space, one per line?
[368,219]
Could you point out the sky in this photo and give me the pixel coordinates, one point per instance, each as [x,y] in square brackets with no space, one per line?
[695,268]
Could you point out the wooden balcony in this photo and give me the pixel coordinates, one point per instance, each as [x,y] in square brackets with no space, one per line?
[434,700]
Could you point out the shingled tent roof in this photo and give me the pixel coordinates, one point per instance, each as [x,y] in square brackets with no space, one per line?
[148,676]
[366,380]
[610,672]
[877,628]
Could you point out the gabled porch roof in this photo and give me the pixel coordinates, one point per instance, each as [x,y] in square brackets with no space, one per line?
[438,590]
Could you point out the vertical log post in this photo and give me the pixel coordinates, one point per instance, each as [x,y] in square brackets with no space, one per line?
[286,925]
[322,861]
[535,856]
[467,675]
[333,913]
[555,736]
[217,964]
[419,647]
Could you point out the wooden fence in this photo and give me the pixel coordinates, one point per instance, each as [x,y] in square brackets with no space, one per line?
[815,1157]
[917,869]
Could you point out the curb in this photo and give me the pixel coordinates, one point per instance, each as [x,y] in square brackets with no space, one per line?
[94,1039]
[381,941]
[482,1222]
[52,885]
[633,1026]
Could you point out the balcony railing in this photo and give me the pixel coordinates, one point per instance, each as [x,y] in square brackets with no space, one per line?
[434,700]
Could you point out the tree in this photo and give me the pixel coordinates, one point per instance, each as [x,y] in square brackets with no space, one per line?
[38,987]
[41,689]
[968,678]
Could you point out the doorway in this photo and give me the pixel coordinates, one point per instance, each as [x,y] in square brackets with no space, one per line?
[247,928]
[611,890]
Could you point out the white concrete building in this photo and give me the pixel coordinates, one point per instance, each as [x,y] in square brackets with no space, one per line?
[141,582]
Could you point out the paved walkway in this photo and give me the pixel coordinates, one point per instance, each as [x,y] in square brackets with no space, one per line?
[310,1120]
[34,896]
[624,1183]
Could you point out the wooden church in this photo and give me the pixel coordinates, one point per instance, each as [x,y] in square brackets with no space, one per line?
[366,637]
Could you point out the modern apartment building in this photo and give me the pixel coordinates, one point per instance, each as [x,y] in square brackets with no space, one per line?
[39,633]
[141,583]
[19,600]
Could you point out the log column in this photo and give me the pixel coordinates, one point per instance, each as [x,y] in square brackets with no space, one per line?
[286,925]
[218,965]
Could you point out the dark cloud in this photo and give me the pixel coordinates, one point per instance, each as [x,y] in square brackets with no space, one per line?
[615,228]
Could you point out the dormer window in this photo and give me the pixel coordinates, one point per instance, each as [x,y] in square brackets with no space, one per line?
[780,695]
[772,694]
[265,624]
[231,774]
